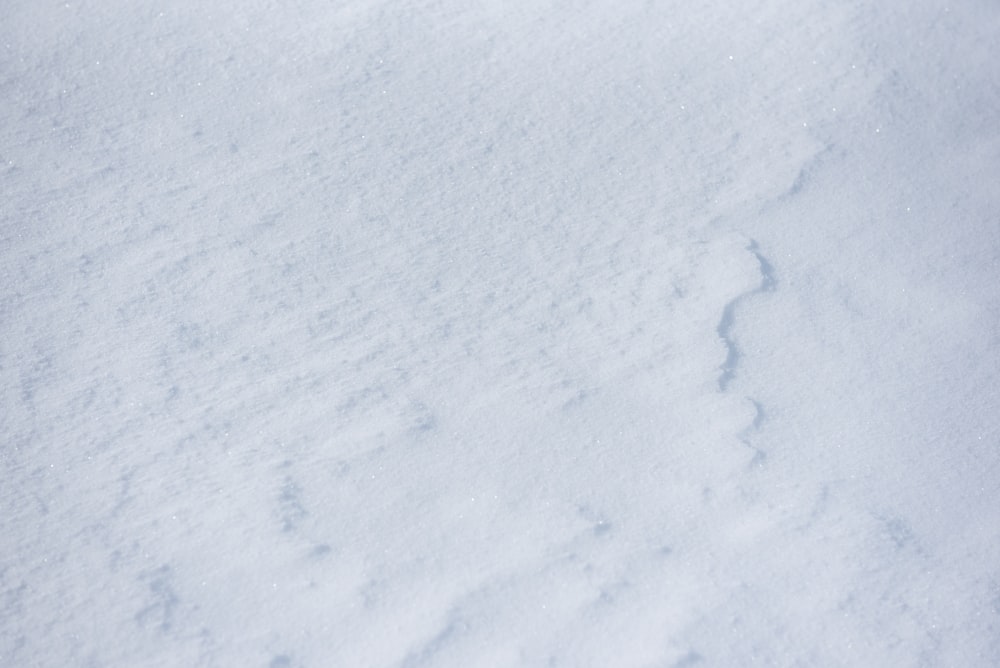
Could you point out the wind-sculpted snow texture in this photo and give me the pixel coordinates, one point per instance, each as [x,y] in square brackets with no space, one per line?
[406,333]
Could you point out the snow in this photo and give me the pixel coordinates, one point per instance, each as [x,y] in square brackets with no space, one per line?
[404,332]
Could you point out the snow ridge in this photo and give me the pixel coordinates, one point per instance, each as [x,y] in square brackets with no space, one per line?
[728,319]
[727,322]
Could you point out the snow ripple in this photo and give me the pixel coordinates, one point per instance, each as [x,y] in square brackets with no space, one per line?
[728,319]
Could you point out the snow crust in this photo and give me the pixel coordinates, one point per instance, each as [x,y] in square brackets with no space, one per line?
[406,332]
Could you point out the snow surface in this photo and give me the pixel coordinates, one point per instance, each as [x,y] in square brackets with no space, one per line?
[418,332]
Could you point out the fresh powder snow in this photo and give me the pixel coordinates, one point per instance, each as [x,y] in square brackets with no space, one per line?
[428,333]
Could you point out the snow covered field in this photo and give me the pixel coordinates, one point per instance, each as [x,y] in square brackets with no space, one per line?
[419,332]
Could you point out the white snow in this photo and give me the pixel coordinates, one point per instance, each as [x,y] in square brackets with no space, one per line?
[416,332]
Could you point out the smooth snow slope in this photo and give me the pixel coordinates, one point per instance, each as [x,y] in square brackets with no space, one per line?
[405,332]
